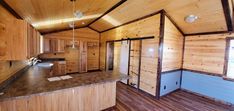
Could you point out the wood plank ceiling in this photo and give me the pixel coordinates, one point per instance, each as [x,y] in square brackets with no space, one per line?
[52,15]
[210,13]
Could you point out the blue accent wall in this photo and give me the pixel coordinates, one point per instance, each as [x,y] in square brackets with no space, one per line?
[170,82]
[211,86]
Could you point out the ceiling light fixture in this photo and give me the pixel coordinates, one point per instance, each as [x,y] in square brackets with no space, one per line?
[190,18]
[78,14]
[73,26]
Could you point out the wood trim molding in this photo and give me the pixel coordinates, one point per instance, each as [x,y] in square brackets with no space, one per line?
[160,53]
[174,23]
[93,29]
[8,8]
[62,30]
[108,11]
[155,13]
[228,17]
[170,71]
[204,73]
[208,33]
[137,38]
[139,67]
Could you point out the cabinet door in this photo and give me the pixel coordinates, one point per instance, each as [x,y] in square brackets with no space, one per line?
[61,46]
[83,56]
[46,45]
[93,55]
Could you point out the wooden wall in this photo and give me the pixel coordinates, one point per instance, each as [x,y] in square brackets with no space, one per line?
[172,47]
[142,28]
[8,25]
[6,71]
[86,35]
[84,98]
[205,53]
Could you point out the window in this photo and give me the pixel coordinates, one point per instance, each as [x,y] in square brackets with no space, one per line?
[230,58]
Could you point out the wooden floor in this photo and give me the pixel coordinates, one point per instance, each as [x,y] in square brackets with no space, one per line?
[130,99]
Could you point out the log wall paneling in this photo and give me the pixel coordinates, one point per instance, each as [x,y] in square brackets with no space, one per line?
[143,28]
[134,64]
[205,53]
[149,62]
[172,47]
[84,98]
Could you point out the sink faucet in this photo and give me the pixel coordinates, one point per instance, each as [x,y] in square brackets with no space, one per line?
[35,61]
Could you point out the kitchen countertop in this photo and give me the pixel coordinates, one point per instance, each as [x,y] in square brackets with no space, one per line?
[34,81]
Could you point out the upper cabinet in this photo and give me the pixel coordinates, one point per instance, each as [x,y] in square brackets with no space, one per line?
[18,40]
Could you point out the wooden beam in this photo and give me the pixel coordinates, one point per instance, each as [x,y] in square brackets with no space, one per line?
[108,11]
[8,8]
[155,13]
[160,52]
[88,25]
[61,30]
[93,29]
[207,33]
[227,14]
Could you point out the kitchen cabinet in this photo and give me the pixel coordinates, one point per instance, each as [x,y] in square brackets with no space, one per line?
[54,45]
[59,68]
[18,40]
[83,56]
[92,55]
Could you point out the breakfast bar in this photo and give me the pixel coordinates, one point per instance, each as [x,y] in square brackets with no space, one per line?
[92,91]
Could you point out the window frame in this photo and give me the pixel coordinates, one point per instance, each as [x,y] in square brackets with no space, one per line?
[226,60]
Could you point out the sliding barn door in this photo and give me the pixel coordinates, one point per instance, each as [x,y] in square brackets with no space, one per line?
[148,66]
[134,62]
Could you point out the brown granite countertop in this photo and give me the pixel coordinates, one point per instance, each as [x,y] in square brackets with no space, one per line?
[34,81]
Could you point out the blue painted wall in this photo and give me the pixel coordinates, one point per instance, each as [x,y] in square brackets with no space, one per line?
[168,81]
[207,85]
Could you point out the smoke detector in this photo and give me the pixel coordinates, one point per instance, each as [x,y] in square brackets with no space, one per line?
[190,18]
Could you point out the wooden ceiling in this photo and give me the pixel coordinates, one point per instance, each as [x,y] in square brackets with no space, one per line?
[47,15]
[210,13]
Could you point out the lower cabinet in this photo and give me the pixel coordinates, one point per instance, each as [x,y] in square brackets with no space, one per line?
[59,68]
[72,66]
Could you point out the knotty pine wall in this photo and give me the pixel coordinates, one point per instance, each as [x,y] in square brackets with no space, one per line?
[142,28]
[8,25]
[205,53]
[83,34]
[172,47]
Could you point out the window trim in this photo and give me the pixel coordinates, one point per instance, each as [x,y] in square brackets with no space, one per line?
[226,59]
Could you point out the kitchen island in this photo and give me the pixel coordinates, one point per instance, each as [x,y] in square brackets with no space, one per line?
[32,91]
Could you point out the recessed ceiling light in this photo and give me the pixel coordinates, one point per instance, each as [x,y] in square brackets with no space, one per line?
[190,18]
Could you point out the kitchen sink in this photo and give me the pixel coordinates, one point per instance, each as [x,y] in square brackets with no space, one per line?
[47,64]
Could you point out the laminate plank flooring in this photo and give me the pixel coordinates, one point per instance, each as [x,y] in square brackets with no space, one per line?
[130,99]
